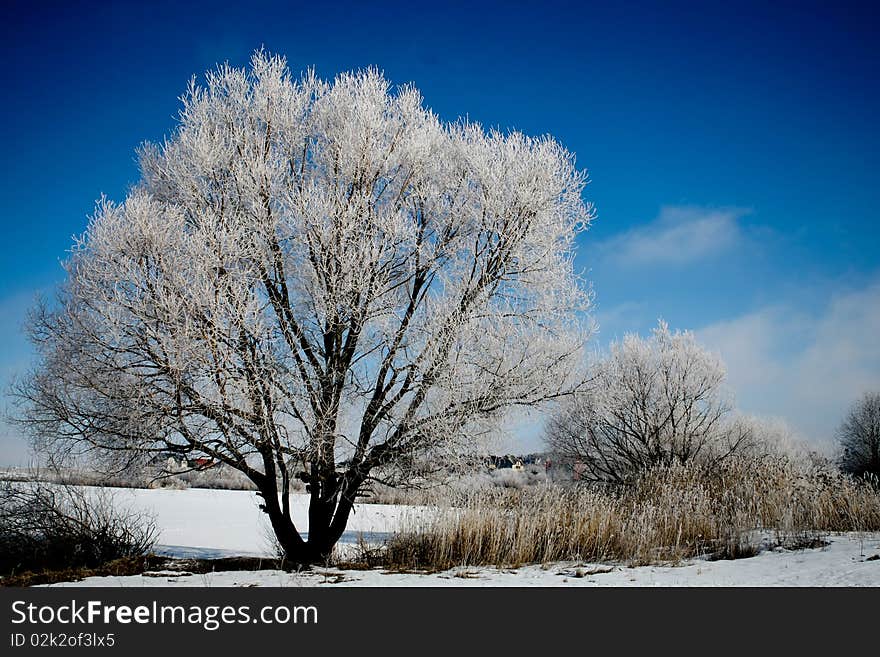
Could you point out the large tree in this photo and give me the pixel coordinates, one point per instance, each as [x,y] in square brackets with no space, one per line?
[315,279]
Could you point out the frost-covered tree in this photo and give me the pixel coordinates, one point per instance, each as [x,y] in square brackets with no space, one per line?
[319,280]
[651,401]
[859,437]
[772,438]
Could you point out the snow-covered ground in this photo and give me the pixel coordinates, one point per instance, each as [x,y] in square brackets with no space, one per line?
[210,523]
[205,523]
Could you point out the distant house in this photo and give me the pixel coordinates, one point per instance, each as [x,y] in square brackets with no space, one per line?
[517,466]
[171,462]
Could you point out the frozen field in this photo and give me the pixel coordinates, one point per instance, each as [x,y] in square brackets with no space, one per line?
[211,523]
[219,523]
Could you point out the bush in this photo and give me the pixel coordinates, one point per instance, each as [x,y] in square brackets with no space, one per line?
[49,526]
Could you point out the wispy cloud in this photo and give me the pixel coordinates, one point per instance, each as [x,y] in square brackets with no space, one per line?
[615,321]
[807,367]
[679,235]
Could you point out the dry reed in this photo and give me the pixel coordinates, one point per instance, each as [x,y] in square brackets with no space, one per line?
[666,514]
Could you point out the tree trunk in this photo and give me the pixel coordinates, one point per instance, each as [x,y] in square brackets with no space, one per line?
[330,504]
[296,551]
[321,535]
[322,502]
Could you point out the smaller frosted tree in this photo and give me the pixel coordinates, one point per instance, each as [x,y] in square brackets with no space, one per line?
[653,401]
[859,437]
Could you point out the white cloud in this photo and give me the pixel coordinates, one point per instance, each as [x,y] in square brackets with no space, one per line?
[807,367]
[678,236]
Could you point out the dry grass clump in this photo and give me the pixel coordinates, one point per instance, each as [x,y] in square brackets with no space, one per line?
[666,514]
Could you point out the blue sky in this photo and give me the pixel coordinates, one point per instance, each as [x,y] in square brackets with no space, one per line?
[732,148]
